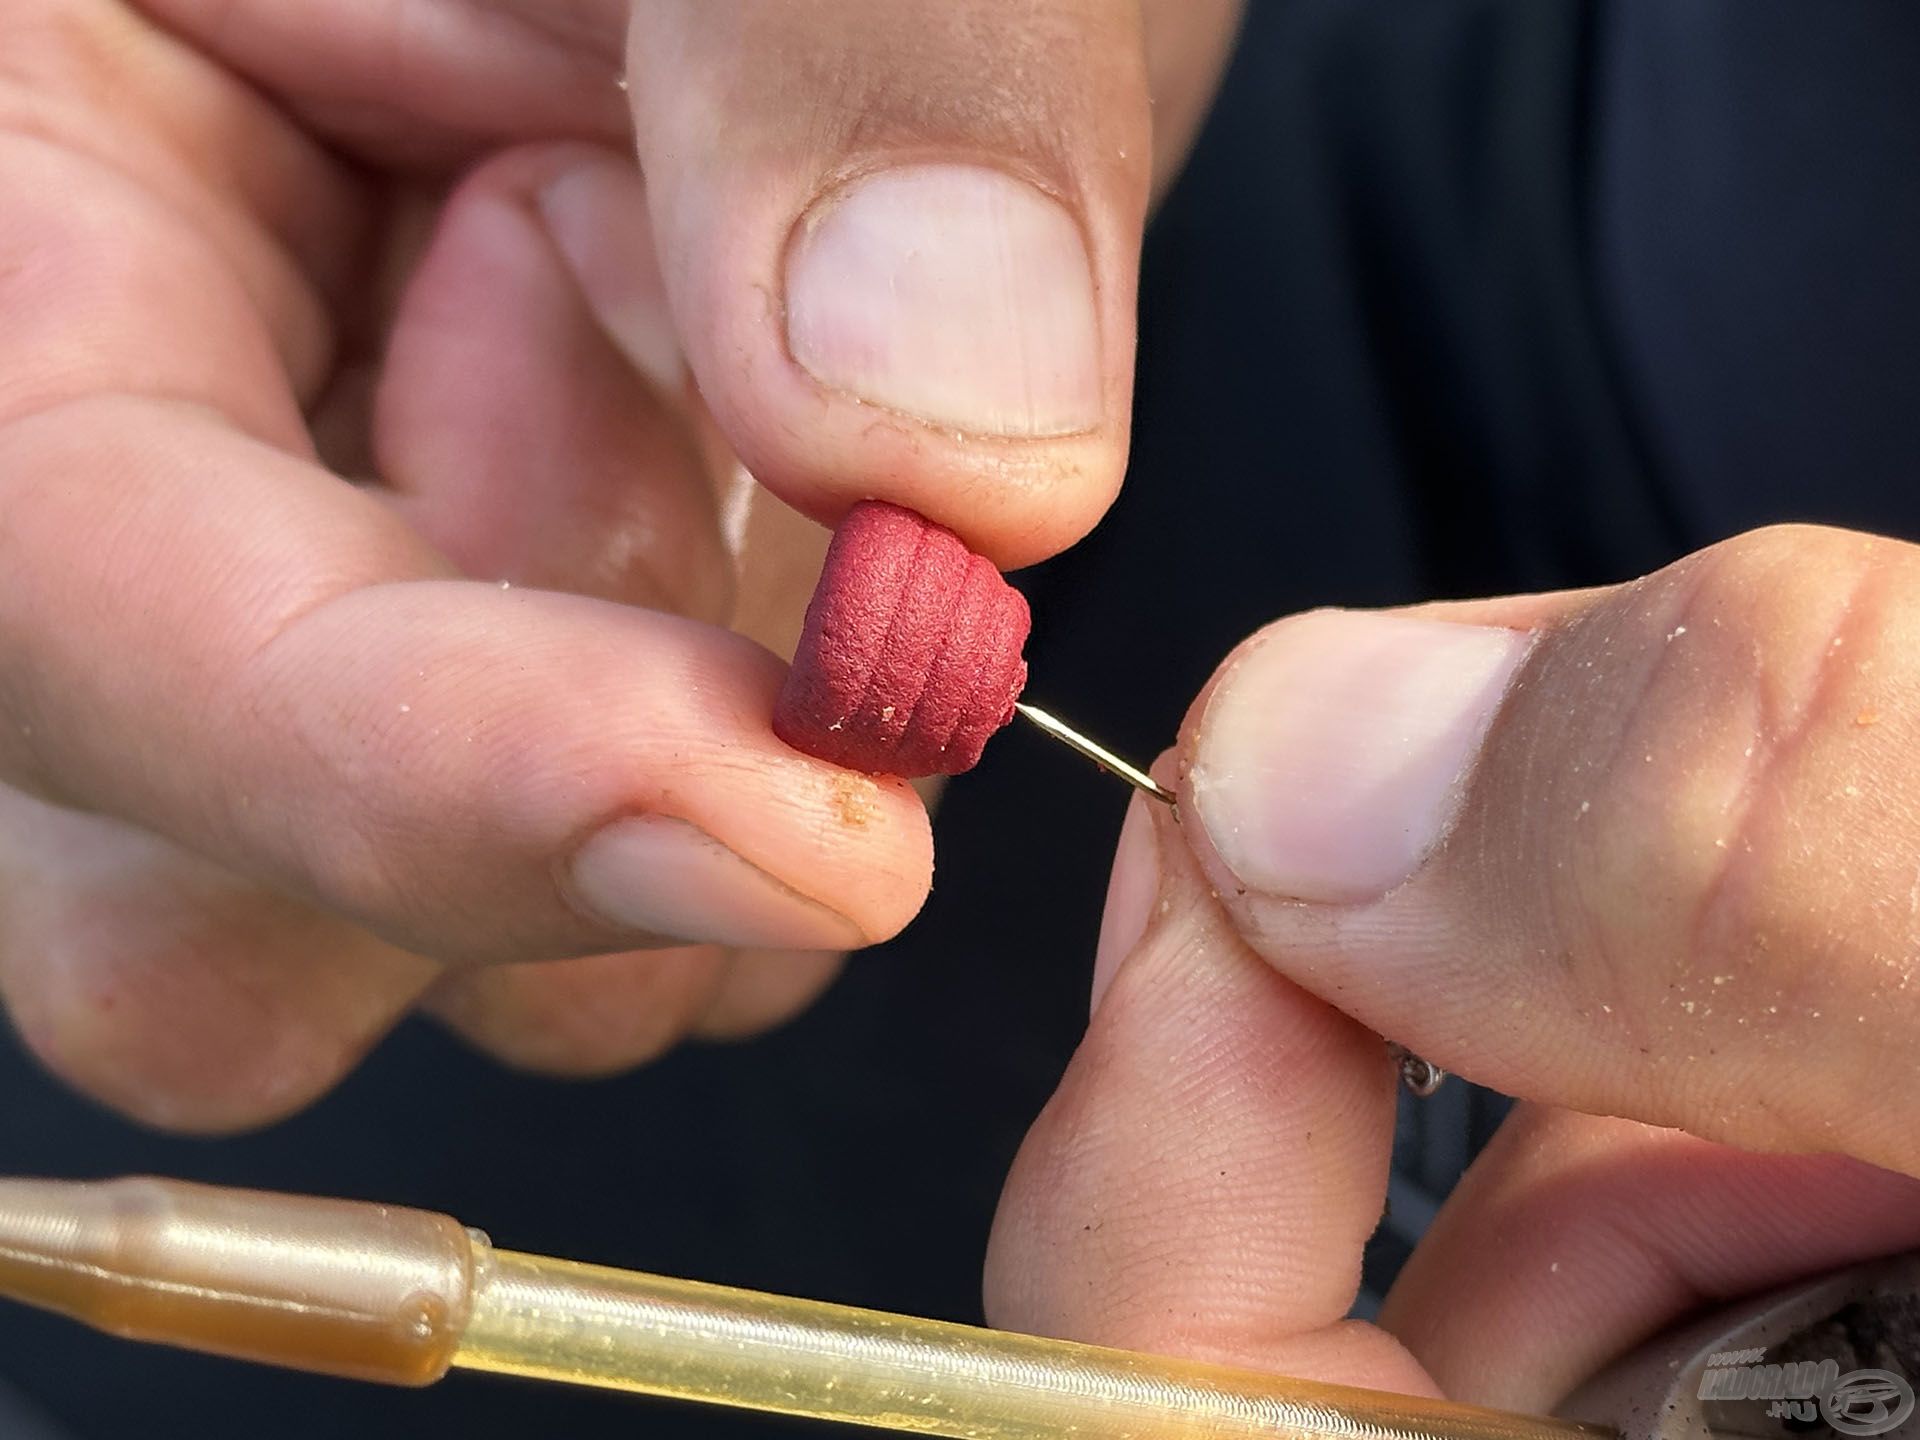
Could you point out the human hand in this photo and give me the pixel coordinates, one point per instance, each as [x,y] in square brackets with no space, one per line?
[1642,856]
[282,756]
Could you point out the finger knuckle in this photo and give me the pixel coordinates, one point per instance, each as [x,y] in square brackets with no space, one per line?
[1760,870]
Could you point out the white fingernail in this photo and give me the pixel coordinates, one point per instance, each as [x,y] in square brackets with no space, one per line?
[1331,755]
[954,293]
[662,877]
[596,213]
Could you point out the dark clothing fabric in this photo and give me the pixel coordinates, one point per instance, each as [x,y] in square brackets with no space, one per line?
[1456,297]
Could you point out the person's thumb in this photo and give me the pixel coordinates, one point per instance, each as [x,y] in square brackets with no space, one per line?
[900,244]
[1650,851]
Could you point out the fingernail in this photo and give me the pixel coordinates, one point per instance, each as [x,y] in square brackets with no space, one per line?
[954,293]
[1132,890]
[596,212]
[1332,753]
[659,876]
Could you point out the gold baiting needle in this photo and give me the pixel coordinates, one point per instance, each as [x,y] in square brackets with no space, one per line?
[1421,1077]
[380,1293]
[1097,753]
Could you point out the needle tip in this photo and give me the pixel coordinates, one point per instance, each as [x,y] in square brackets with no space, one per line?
[1099,754]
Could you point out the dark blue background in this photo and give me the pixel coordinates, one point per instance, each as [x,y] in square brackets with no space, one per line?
[1457,296]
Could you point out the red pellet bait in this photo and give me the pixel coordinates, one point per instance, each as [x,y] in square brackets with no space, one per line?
[910,659]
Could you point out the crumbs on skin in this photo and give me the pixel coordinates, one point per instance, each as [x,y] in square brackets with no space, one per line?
[853,800]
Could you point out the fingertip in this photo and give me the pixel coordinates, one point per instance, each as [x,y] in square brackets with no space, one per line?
[494,734]
[193,1004]
[533,435]
[926,297]
[1219,1130]
[580,1019]
[764,989]
[818,372]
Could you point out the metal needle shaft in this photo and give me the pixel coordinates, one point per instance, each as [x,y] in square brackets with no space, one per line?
[1421,1077]
[1097,753]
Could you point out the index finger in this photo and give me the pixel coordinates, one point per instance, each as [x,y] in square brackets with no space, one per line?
[207,634]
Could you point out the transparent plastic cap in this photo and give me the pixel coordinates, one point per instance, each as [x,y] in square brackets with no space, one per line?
[369,1292]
